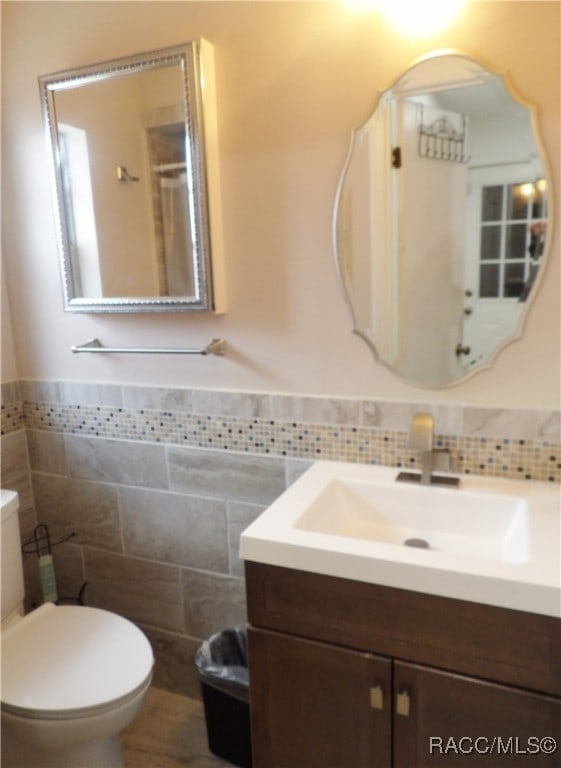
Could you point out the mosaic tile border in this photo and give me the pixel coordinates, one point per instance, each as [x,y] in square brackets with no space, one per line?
[13,417]
[500,457]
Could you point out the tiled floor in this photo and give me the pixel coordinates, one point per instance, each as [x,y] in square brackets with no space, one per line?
[169,732]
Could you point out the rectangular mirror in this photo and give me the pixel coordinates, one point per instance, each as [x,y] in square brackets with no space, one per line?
[132,144]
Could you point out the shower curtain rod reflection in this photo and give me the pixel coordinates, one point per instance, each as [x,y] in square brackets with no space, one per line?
[216,347]
[163,167]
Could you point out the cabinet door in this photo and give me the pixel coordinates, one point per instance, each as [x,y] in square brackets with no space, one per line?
[449,720]
[314,704]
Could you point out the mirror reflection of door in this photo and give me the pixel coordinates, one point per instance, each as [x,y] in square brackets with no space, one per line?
[507,211]
[431,223]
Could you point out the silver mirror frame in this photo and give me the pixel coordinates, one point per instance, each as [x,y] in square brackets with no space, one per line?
[194,59]
[533,110]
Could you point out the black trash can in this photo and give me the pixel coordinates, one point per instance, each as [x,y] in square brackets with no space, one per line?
[222,664]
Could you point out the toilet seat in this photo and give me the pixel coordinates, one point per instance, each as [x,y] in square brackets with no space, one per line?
[69,661]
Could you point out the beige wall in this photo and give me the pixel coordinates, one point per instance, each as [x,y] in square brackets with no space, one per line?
[9,367]
[293,79]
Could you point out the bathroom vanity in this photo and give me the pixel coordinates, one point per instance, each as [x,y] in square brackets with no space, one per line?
[351,674]
[356,671]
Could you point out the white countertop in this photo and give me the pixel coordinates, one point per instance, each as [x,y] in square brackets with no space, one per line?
[533,583]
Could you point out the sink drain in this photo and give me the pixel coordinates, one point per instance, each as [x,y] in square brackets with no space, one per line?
[419,543]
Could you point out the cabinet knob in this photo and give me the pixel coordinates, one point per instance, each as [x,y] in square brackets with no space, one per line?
[403,704]
[377,697]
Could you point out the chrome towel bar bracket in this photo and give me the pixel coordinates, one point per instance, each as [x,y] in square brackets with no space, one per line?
[216,347]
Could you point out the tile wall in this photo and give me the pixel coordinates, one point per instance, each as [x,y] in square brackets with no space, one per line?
[155,485]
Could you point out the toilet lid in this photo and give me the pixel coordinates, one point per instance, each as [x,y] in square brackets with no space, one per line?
[61,658]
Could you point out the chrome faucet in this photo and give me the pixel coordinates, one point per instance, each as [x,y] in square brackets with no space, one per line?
[421,435]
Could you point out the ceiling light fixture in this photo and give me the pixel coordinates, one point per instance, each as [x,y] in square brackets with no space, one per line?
[413,18]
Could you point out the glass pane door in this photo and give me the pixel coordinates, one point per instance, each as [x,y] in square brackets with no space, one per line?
[511,238]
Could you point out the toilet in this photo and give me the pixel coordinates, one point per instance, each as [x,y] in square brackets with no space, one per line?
[73,677]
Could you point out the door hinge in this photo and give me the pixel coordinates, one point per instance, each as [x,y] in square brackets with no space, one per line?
[462,349]
[396,157]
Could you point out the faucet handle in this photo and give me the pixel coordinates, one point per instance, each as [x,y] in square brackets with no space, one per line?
[421,432]
[442,460]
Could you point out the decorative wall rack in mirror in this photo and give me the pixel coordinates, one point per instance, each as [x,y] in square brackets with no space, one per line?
[441,219]
[133,151]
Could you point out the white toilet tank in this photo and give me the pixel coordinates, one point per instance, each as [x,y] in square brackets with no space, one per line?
[12,564]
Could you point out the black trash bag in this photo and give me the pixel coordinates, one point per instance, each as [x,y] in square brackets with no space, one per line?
[222,662]
[222,665]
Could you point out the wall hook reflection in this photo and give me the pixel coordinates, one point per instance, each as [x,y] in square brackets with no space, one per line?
[124,175]
[441,139]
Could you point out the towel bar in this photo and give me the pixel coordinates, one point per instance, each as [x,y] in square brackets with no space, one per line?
[216,347]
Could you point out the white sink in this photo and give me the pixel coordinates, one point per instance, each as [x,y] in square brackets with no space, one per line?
[442,519]
[491,540]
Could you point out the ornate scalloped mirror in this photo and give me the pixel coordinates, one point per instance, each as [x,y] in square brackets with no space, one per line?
[441,219]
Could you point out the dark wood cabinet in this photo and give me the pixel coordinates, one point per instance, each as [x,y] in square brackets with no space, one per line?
[452,720]
[340,678]
[318,705]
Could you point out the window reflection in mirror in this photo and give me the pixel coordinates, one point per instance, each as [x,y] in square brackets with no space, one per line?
[513,227]
[441,220]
